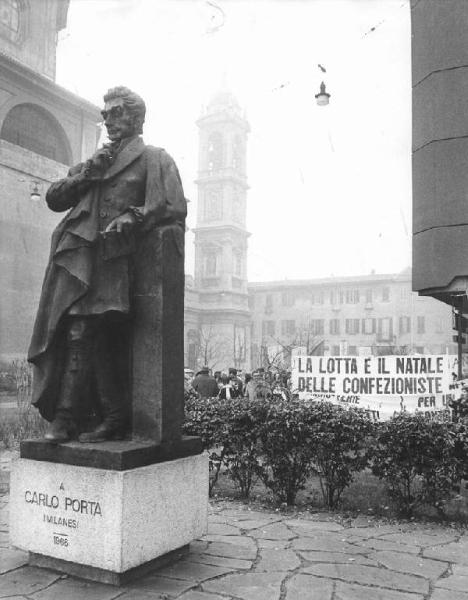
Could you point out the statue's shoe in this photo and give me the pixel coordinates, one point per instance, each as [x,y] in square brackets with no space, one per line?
[102,433]
[59,431]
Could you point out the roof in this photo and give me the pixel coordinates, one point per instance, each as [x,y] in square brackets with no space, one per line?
[257,286]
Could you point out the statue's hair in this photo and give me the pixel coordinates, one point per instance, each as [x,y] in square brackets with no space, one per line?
[134,103]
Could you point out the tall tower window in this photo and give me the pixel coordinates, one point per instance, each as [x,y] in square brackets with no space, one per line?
[237,152]
[215,151]
[211,264]
[236,204]
[237,263]
[33,128]
[213,205]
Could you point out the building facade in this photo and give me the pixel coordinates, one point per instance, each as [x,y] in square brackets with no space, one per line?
[43,130]
[349,316]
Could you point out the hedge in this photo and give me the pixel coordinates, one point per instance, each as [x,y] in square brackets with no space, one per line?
[284,442]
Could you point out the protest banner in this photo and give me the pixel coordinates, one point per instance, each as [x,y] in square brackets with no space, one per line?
[381,385]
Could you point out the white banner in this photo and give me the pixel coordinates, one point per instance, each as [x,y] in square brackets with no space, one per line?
[382,385]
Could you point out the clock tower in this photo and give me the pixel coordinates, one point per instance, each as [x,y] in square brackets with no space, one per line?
[220,234]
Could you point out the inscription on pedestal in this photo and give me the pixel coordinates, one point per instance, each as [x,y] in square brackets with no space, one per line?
[65,515]
[58,504]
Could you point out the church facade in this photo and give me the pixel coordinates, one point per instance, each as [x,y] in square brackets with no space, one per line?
[43,130]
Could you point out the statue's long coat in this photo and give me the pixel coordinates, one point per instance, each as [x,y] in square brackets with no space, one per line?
[141,176]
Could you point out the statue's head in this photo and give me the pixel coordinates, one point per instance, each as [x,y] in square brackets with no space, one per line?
[123,113]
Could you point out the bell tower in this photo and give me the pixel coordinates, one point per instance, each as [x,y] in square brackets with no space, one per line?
[220,234]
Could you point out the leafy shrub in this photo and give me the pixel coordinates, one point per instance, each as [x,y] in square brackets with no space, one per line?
[417,458]
[285,434]
[205,418]
[241,443]
[340,439]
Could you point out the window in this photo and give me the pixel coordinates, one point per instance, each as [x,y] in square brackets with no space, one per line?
[369,296]
[215,151]
[251,301]
[334,325]
[385,294]
[439,325]
[237,153]
[268,328]
[319,297]
[335,350]
[385,328]
[237,263]
[368,326]
[10,19]
[352,326]
[287,299]
[213,205]
[33,128]
[269,303]
[404,325]
[352,296]
[421,325]
[288,327]
[317,326]
[236,207]
[352,351]
[333,297]
[211,264]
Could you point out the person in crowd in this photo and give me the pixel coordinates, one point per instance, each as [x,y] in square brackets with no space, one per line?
[228,390]
[217,376]
[236,380]
[205,384]
[257,387]
[279,389]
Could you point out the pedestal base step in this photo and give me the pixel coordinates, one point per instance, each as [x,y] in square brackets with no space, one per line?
[103,575]
[118,456]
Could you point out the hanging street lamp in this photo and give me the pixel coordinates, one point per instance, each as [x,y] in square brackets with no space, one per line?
[323,97]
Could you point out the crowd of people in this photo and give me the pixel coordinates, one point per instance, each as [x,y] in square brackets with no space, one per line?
[235,384]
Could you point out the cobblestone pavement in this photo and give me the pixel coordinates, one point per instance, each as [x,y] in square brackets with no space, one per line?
[255,555]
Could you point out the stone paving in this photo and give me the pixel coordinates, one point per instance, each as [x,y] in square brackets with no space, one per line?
[255,555]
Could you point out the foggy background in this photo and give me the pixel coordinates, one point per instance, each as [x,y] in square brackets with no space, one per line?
[330,187]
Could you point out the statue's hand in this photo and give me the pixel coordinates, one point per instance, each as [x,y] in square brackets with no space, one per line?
[101,160]
[122,224]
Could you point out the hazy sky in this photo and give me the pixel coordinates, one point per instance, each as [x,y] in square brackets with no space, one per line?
[330,187]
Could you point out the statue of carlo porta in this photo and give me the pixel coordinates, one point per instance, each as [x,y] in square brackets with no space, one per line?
[81,338]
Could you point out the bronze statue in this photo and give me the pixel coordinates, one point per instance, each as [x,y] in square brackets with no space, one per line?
[81,339]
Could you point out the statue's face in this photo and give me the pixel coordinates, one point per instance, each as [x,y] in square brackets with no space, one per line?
[117,119]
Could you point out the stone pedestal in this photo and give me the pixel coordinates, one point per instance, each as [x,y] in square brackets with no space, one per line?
[103,524]
[112,510]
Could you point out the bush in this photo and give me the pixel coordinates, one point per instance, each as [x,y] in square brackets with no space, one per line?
[285,434]
[417,458]
[340,439]
[205,418]
[241,443]
[280,441]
